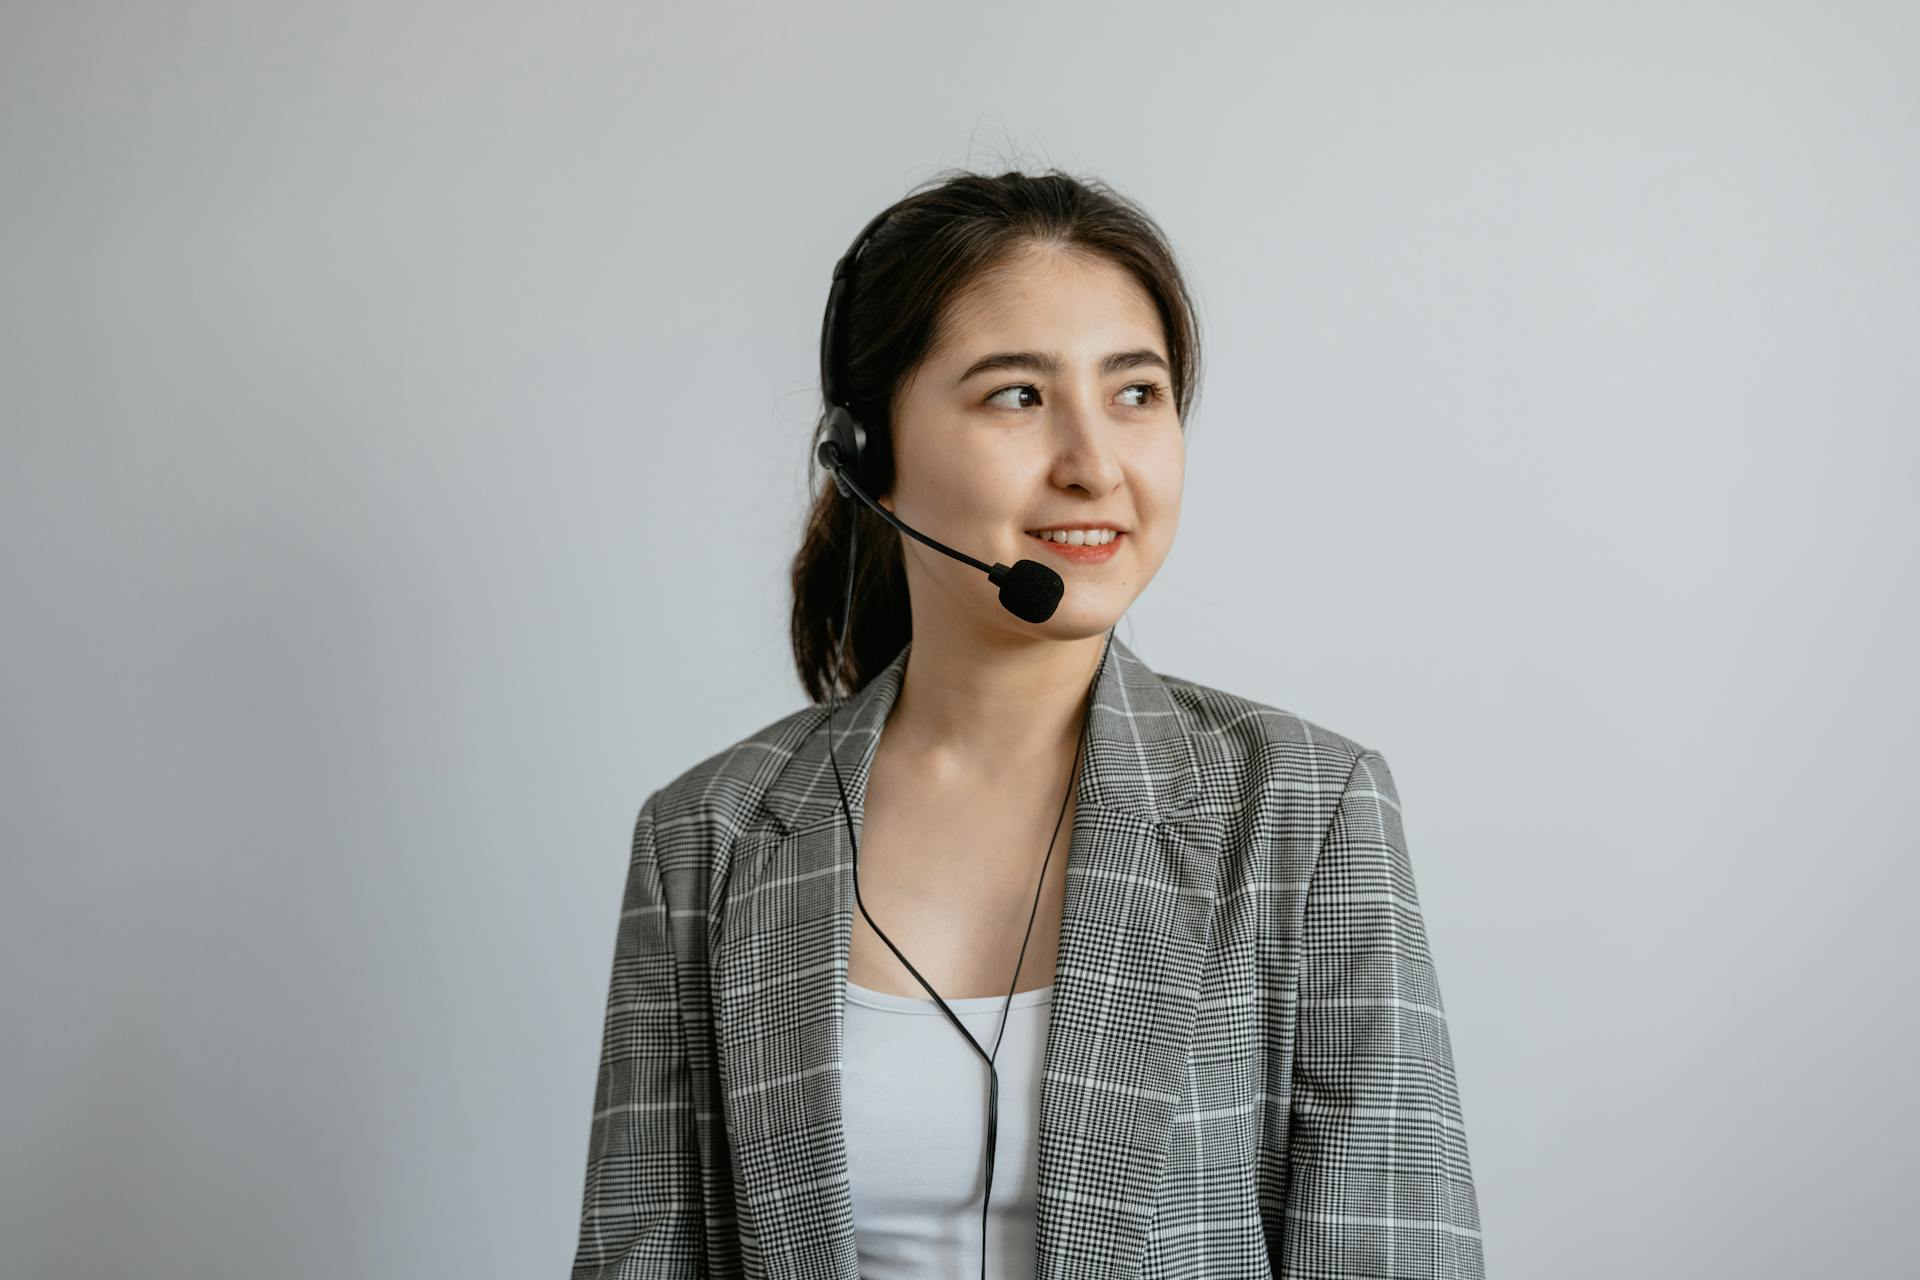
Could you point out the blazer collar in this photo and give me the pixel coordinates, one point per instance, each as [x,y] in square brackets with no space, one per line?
[1142,880]
[1138,760]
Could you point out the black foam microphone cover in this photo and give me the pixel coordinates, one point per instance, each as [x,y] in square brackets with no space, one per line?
[1032,591]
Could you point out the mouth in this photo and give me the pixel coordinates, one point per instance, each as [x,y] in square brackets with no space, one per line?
[1082,554]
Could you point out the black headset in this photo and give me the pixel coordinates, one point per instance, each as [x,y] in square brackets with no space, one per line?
[845,434]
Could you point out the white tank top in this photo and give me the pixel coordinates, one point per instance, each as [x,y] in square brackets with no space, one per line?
[914,1098]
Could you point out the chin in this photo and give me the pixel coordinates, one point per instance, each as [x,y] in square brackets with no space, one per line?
[1070,622]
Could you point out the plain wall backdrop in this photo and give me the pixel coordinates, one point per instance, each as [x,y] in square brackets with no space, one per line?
[406,411]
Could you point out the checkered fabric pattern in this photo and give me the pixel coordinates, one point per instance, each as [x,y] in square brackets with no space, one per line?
[1247,1072]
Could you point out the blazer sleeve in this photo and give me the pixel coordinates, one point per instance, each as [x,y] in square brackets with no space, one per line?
[642,1214]
[1378,1178]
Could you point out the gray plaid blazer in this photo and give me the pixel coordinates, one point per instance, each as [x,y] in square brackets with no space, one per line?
[1247,1069]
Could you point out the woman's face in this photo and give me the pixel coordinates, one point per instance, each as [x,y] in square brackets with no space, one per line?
[1074,423]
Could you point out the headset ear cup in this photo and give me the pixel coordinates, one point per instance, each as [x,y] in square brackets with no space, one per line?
[849,439]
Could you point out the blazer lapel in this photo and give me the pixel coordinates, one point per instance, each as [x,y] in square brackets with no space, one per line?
[1142,875]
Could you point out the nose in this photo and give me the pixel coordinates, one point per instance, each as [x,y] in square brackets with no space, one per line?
[1084,458]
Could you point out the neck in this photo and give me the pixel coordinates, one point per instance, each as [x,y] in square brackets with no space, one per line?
[968,712]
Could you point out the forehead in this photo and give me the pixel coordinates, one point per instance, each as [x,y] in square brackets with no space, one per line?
[1053,298]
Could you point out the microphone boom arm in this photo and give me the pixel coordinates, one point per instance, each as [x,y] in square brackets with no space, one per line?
[829,456]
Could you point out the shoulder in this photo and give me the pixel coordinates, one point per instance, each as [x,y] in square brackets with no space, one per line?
[722,792]
[1241,737]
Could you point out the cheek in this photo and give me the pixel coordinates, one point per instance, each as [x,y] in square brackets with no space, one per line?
[1160,479]
[978,483]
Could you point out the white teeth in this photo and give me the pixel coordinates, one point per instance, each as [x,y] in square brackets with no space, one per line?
[1079,537]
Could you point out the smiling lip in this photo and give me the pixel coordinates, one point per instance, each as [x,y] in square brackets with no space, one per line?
[1082,555]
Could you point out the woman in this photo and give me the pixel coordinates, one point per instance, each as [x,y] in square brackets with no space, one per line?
[859,969]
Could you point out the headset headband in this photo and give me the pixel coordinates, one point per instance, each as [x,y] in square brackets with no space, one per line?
[832,340]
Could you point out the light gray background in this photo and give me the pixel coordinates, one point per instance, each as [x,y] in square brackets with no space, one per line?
[406,410]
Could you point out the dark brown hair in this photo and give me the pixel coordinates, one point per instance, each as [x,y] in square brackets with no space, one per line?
[936,241]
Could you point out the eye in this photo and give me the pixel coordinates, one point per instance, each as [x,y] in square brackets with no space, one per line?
[1018,386]
[1153,394]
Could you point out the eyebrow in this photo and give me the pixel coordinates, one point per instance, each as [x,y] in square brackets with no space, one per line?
[1050,362]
